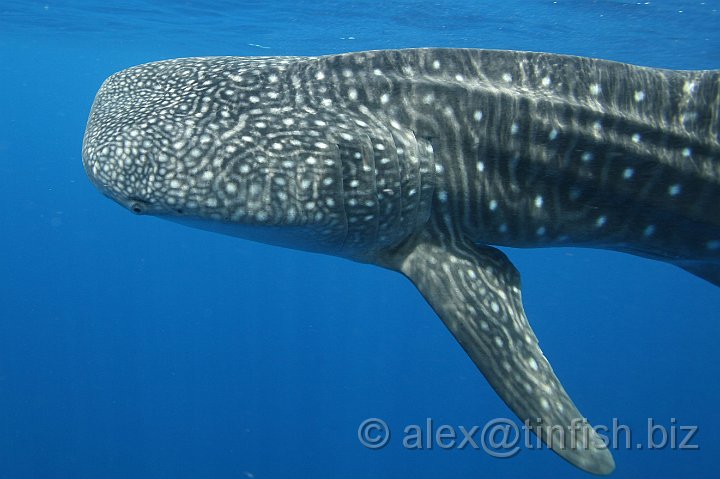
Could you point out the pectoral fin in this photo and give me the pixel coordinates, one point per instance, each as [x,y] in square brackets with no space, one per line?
[476,292]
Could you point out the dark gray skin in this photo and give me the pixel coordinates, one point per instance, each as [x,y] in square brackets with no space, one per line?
[417,160]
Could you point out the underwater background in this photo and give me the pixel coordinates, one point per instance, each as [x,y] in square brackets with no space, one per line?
[135,347]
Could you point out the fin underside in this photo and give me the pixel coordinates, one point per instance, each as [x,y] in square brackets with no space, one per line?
[476,292]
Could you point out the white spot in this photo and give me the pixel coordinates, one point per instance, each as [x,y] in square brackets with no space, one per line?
[493,205]
[207,175]
[377,72]
[674,190]
[507,78]
[174,184]
[436,64]
[347,73]
[321,145]
[277,146]
[320,76]
[649,230]
[538,201]
[255,189]
[546,81]
[261,124]
[384,98]
[288,121]
[636,138]
[600,222]
[545,404]
[713,244]
[495,307]
[305,184]
[499,342]
[480,166]
[553,134]
[597,126]
[244,169]
[354,184]
[639,96]
[310,160]
[595,89]
[689,87]
[254,99]
[514,128]
[231,188]
[326,102]
[273,78]
[688,117]
[686,152]
[353,93]
[477,115]
[587,156]
[459,77]
[442,196]
[628,173]
[533,364]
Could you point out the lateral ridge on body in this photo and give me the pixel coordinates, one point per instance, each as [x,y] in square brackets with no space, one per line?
[418,160]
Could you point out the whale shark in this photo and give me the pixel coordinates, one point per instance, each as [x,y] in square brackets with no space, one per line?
[424,162]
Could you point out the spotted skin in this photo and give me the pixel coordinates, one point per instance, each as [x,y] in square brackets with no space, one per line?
[418,160]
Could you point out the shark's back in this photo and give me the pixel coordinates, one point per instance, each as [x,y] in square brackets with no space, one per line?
[539,149]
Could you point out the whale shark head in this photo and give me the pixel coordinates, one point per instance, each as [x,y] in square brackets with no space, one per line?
[251,147]
[189,140]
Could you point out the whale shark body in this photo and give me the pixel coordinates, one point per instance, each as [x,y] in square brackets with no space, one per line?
[418,160]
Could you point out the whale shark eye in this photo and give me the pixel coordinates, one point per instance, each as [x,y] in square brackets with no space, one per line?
[137,206]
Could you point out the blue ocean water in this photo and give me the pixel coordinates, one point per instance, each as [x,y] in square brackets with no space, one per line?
[133,347]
